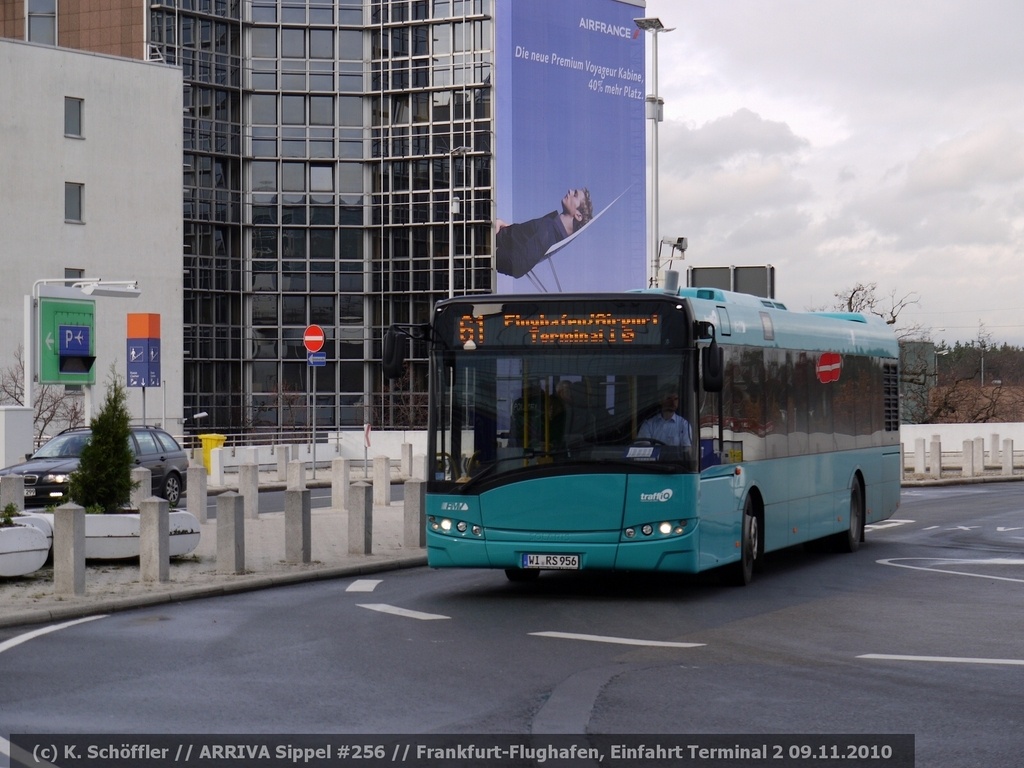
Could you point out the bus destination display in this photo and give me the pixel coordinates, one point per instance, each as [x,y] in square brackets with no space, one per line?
[561,328]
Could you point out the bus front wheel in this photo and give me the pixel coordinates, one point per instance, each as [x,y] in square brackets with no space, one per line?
[741,572]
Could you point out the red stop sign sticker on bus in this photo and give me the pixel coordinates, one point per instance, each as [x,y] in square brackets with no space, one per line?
[313,338]
[830,365]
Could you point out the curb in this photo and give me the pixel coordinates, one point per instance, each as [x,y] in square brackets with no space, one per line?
[246,583]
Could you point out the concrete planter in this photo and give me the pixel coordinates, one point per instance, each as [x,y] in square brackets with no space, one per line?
[23,549]
[116,537]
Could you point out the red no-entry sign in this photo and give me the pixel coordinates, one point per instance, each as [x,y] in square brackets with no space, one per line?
[313,338]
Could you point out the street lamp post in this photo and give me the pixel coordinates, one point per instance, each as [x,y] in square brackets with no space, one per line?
[453,208]
[88,286]
[654,113]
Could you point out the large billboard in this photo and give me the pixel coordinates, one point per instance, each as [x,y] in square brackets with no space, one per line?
[571,153]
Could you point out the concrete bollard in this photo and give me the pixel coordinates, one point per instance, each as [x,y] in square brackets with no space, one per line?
[419,466]
[69,550]
[249,488]
[230,533]
[381,481]
[407,468]
[993,455]
[283,456]
[967,463]
[296,475]
[297,519]
[12,491]
[155,539]
[919,456]
[195,493]
[935,458]
[979,455]
[341,471]
[414,521]
[1007,457]
[142,486]
[360,519]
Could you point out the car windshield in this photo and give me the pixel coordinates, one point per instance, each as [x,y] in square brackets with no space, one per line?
[63,447]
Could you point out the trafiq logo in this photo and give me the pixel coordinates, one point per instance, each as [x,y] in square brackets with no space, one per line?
[659,496]
[454,506]
[619,30]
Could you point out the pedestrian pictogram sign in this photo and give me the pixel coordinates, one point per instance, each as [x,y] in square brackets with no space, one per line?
[313,338]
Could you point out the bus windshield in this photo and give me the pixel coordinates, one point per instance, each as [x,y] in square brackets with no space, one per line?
[508,409]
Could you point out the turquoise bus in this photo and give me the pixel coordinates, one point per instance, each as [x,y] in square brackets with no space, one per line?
[537,407]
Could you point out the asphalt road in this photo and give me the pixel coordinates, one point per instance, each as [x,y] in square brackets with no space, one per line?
[920,632]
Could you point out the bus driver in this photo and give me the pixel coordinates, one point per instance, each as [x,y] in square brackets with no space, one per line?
[667,426]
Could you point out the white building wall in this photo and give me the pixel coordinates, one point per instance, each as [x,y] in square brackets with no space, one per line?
[129,161]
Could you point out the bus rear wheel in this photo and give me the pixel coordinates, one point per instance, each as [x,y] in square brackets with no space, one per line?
[849,540]
[741,573]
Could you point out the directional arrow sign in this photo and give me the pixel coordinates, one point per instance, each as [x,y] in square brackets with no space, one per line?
[66,328]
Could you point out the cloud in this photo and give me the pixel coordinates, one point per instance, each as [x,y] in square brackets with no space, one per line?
[851,141]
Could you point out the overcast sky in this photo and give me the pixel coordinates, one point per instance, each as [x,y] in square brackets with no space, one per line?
[847,141]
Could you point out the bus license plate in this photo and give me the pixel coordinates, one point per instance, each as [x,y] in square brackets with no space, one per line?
[559,562]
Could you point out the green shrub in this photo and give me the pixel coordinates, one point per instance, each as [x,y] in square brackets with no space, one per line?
[104,475]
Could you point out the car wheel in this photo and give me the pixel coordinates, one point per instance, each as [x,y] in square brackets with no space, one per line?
[172,489]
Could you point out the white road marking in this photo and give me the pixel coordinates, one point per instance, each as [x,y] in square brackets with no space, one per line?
[617,640]
[942,659]
[890,523]
[363,585]
[8,644]
[405,612]
[896,563]
[5,745]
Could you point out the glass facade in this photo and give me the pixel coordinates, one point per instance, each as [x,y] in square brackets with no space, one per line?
[337,169]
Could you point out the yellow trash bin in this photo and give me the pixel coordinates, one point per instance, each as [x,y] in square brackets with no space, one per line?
[209,442]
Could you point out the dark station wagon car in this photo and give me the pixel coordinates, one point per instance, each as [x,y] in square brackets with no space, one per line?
[47,471]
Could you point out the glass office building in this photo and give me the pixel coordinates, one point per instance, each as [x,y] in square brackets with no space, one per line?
[321,187]
[339,170]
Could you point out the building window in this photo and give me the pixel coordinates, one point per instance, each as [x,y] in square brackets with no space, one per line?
[73,201]
[42,21]
[72,117]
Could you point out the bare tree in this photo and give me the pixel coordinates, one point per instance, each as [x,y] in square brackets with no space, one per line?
[864,298]
[55,406]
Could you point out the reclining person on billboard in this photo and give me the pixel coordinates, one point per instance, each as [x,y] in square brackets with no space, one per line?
[521,247]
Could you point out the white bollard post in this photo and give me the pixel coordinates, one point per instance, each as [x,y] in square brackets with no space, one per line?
[979,455]
[230,533]
[919,462]
[993,445]
[195,493]
[341,470]
[12,491]
[381,481]
[935,459]
[155,539]
[249,488]
[297,518]
[1008,457]
[142,487]
[296,475]
[967,462]
[407,470]
[69,550]
[360,520]
[414,521]
[282,452]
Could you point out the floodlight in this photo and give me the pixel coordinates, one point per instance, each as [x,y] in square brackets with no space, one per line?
[125,290]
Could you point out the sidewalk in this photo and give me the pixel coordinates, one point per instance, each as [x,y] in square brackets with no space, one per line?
[116,585]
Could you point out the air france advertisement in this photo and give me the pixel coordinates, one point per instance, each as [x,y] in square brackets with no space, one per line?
[571,153]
